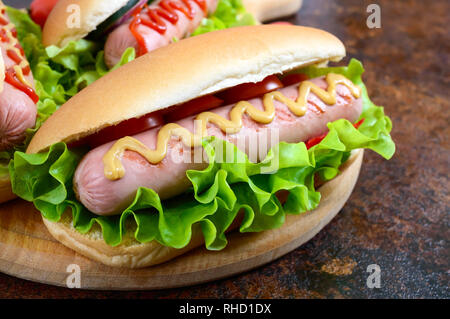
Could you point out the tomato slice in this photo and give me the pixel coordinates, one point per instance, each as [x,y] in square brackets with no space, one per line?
[138,125]
[293,78]
[250,90]
[40,9]
[195,106]
[126,128]
[315,140]
[232,95]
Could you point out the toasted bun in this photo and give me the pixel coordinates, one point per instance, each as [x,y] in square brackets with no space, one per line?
[183,71]
[62,24]
[266,10]
[6,193]
[132,254]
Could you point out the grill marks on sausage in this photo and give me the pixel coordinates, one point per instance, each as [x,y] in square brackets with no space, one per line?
[159,16]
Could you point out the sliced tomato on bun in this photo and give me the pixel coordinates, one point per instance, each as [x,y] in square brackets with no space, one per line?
[40,9]
[250,90]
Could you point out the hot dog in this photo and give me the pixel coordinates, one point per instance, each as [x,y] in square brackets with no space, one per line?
[17,114]
[166,206]
[17,97]
[106,197]
[148,25]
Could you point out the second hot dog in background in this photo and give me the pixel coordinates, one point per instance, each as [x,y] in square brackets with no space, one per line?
[142,25]
[157,25]
[148,25]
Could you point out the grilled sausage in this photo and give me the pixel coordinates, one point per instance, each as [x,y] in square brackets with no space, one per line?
[168,178]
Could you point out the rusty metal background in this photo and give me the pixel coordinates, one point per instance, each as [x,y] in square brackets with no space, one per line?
[398,215]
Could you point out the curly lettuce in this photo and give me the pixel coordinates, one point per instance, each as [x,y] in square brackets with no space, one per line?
[229,14]
[218,192]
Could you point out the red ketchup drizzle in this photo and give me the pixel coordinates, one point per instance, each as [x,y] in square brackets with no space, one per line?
[17,59]
[11,78]
[3,21]
[10,74]
[3,36]
[156,18]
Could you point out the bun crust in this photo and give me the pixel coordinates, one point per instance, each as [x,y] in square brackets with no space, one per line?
[266,10]
[57,30]
[6,193]
[132,254]
[129,254]
[186,70]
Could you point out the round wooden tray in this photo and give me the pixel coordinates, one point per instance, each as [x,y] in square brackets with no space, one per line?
[28,251]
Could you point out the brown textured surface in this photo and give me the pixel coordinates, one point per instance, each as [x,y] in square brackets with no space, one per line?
[398,215]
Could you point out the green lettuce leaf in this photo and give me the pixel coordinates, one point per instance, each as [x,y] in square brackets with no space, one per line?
[218,192]
[229,14]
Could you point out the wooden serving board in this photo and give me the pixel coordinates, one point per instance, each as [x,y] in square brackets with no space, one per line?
[28,251]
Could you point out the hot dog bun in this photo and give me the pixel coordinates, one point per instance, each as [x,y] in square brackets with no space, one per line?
[60,27]
[6,193]
[210,63]
[266,10]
